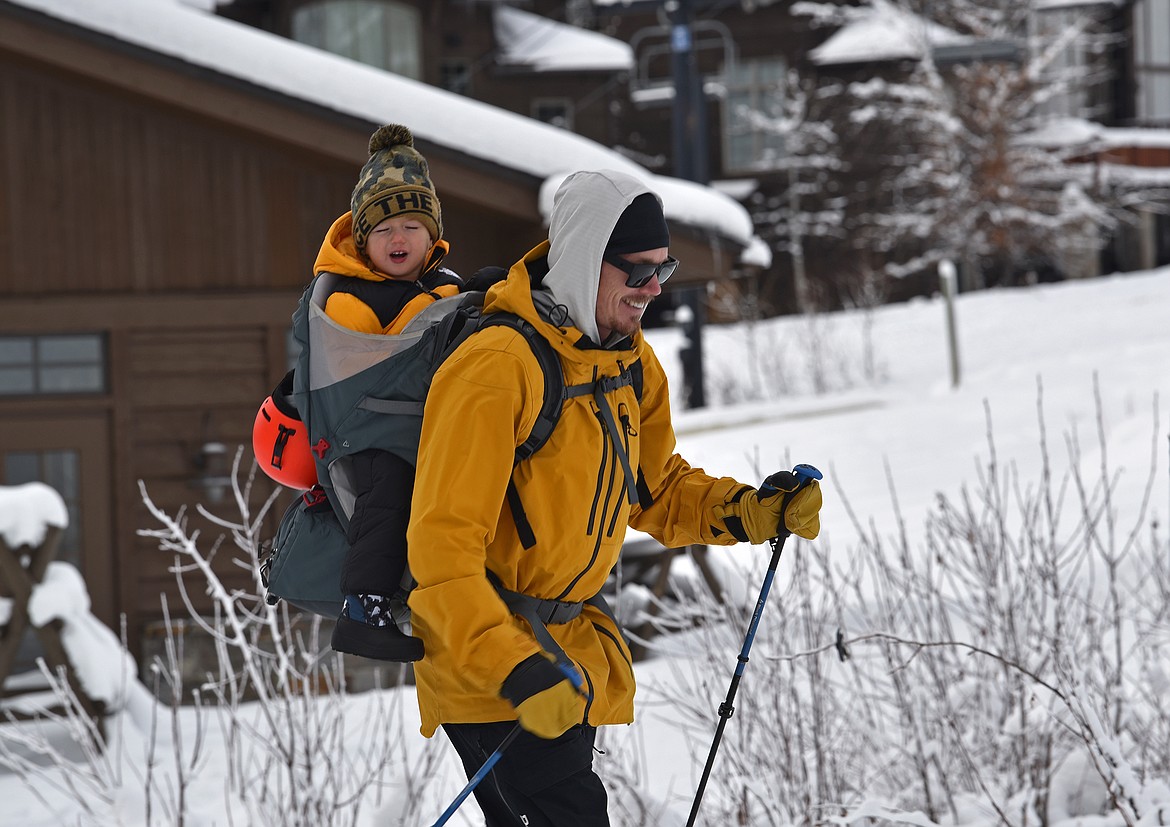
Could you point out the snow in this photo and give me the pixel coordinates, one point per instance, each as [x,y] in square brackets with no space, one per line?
[757,254]
[104,670]
[1041,5]
[882,31]
[1076,131]
[355,90]
[1076,340]
[526,39]
[27,510]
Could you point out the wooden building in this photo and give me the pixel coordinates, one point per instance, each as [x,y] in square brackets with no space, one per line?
[166,177]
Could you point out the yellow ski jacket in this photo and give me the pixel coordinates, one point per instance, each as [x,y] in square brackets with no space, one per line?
[481,406]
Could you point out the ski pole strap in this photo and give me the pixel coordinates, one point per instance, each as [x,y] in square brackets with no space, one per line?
[541,613]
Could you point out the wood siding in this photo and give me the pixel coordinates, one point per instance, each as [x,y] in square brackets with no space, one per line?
[106,194]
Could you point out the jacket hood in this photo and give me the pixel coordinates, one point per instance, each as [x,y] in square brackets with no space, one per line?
[551,317]
[339,254]
[586,208]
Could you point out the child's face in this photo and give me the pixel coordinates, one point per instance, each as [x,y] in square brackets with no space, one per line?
[398,247]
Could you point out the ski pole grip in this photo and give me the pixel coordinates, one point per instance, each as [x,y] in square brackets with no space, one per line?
[804,474]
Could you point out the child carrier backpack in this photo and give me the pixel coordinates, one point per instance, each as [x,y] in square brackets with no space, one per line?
[357,391]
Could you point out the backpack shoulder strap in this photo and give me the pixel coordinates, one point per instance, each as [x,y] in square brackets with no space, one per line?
[636,378]
[546,418]
[555,394]
[554,381]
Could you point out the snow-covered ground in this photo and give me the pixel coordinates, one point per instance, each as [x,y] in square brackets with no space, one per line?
[1065,347]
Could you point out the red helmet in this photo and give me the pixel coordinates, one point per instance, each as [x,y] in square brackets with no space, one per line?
[280,440]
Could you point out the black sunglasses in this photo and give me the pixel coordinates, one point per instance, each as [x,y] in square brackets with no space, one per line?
[637,275]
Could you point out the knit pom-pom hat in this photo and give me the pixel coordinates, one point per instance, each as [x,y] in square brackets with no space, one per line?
[395,181]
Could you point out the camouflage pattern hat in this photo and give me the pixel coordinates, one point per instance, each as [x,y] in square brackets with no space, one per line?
[395,181]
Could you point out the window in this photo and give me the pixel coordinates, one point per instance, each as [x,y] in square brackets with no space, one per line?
[59,470]
[1151,45]
[752,86]
[375,32]
[555,111]
[1070,67]
[31,365]
[455,75]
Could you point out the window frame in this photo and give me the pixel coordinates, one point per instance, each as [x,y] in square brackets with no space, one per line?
[309,23]
[41,366]
[748,83]
[564,103]
[1151,61]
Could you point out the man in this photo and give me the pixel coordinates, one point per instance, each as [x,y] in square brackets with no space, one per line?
[610,462]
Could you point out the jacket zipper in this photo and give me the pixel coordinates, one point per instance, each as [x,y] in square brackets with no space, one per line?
[589,698]
[600,472]
[627,432]
[621,649]
[604,503]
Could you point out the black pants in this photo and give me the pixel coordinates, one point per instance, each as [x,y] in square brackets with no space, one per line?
[376,559]
[537,782]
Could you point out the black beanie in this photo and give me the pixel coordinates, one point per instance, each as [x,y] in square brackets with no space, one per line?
[641,227]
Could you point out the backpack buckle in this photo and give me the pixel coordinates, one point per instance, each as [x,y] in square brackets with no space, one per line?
[314,496]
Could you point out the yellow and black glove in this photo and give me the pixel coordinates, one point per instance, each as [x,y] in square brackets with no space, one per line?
[547,702]
[750,517]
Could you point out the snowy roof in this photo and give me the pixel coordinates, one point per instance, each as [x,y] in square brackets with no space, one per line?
[881,32]
[353,89]
[526,39]
[1041,5]
[1073,132]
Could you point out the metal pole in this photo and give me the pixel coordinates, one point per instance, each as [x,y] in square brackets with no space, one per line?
[689,114]
[804,475]
[473,782]
[689,141]
[948,279]
[727,708]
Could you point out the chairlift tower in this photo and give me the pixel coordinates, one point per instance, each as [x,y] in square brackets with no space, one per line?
[689,144]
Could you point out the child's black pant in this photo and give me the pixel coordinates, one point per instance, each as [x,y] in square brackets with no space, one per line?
[376,560]
[536,782]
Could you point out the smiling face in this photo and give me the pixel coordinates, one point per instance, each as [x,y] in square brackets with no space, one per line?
[398,247]
[620,308]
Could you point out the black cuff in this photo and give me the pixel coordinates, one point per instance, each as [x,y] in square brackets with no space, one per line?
[735,526]
[534,674]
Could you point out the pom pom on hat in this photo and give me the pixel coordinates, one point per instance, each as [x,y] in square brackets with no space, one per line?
[390,135]
[395,181]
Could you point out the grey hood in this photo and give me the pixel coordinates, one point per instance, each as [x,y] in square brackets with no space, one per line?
[585,210]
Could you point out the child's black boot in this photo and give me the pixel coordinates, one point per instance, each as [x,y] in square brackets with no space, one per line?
[366,627]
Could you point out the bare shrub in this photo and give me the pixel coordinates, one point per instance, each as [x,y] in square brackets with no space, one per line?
[1008,667]
[269,738]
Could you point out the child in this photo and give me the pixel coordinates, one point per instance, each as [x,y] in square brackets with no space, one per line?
[388,248]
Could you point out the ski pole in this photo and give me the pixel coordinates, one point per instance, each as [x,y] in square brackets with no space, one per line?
[492,759]
[480,774]
[804,475]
